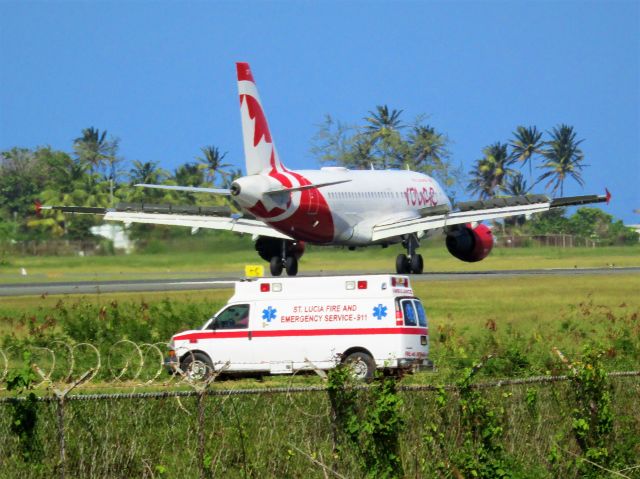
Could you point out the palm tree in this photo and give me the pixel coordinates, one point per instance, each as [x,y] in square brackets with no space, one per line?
[526,143]
[189,174]
[382,137]
[563,158]
[516,185]
[211,163]
[491,171]
[383,121]
[147,173]
[93,149]
[429,148]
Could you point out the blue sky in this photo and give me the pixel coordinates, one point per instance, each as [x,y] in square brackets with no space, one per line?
[161,75]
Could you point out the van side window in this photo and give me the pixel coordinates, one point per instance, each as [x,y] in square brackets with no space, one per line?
[409,313]
[422,316]
[234,317]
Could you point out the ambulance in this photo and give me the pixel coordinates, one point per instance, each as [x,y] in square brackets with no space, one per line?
[285,325]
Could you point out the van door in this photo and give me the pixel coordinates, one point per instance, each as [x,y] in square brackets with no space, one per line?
[415,316]
[232,339]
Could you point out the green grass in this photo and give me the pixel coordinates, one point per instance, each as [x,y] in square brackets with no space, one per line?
[510,317]
[228,254]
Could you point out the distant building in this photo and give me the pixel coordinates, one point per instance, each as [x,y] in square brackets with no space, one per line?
[115,233]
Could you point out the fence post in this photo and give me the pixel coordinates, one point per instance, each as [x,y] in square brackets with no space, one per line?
[201,464]
[61,396]
[61,444]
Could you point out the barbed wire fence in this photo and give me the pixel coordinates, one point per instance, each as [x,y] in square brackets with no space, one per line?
[216,412]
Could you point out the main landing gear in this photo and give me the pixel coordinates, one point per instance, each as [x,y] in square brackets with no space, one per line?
[410,262]
[285,261]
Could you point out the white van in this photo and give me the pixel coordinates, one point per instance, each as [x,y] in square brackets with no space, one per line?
[283,325]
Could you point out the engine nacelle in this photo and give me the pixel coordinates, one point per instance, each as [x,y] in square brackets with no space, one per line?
[267,248]
[470,244]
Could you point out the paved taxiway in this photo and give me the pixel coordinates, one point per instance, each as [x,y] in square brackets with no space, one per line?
[139,285]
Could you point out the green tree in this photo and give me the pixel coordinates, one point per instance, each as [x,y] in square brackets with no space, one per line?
[382,137]
[526,143]
[491,171]
[95,150]
[211,162]
[386,142]
[563,158]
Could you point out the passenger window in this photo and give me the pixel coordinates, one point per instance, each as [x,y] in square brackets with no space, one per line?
[234,317]
[409,313]
[422,316]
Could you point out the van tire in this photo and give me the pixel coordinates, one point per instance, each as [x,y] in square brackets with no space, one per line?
[196,366]
[362,365]
[275,266]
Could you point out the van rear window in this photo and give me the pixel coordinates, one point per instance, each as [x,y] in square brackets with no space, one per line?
[409,313]
[413,313]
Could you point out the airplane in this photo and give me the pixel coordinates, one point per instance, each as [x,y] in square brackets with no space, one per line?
[285,209]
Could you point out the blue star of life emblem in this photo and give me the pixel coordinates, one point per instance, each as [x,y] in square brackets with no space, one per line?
[380,311]
[269,314]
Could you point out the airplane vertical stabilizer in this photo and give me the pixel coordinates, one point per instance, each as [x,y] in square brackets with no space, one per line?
[259,150]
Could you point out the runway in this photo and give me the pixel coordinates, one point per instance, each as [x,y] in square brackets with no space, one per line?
[218,282]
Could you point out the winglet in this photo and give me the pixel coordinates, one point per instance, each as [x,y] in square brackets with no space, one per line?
[607,195]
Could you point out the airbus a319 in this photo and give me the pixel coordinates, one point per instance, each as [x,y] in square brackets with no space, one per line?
[285,209]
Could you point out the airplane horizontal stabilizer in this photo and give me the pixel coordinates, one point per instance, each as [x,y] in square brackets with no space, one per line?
[305,187]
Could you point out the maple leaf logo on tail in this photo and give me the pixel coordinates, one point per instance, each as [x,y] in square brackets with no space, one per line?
[259,150]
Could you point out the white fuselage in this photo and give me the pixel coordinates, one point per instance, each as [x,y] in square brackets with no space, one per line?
[342,214]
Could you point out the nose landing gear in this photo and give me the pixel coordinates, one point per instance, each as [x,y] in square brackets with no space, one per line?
[410,262]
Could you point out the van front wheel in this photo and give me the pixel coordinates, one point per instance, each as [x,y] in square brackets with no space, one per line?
[197,366]
[361,364]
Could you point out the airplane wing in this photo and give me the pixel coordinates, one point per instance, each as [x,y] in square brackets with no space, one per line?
[190,216]
[474,211]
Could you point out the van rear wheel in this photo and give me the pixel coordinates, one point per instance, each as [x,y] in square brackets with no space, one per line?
[197,366]
[361,364]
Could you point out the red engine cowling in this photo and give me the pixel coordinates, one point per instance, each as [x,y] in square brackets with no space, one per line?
[267,248]
[470,244]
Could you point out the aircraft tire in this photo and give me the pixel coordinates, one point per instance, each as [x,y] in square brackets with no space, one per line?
[417,264]
[402,264]
[291,265]
[275,266]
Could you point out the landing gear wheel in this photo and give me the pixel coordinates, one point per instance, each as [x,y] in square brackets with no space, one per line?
[197,366]
[291,265]
[361,364]
[275,265]
[417,264]
[402,264]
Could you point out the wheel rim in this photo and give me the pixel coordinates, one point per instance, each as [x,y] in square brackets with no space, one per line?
[197,370]
[359,368]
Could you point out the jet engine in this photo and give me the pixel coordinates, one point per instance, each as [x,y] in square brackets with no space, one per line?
[267,248]
[469,243]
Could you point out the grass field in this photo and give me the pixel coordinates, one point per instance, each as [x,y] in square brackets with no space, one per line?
[516,317]
[517,320]
[227,254]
